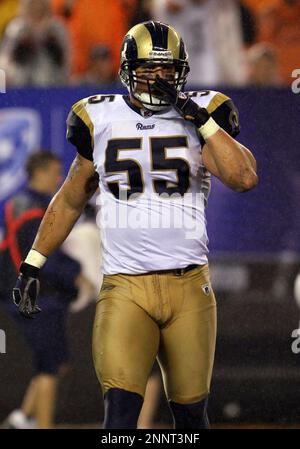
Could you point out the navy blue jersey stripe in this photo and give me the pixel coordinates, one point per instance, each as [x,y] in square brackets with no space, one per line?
[78,134]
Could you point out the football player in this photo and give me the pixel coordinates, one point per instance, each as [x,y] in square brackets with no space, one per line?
[148,151]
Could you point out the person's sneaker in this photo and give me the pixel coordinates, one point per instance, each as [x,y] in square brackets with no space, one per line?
[17,420]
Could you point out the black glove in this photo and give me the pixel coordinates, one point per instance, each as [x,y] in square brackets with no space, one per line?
[26,290]
[181,102]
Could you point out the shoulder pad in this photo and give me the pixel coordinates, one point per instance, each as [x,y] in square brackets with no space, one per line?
[80,129]
[221,108]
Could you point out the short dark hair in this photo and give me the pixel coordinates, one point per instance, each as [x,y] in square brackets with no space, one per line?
[39,159]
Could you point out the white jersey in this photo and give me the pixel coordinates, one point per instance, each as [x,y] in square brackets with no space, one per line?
[153,184]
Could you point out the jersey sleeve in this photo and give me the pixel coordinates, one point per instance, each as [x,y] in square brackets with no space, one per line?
[80,130]
[225,113]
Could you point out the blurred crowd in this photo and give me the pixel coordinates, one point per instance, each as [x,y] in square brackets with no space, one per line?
[67,42]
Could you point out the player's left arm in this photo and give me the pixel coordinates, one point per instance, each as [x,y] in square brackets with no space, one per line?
[217,124]
[230,161]
[222,155]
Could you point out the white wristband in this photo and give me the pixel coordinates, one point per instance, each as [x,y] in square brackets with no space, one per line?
[35,258]
[209,128]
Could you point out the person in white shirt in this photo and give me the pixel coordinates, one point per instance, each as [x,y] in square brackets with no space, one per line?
[212,32]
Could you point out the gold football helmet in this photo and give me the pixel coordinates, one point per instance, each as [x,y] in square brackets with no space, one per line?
[151,44]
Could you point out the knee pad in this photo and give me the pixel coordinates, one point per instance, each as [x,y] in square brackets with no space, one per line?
[190,416]
[121,409]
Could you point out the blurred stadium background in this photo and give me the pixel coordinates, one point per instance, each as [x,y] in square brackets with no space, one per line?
[56,52]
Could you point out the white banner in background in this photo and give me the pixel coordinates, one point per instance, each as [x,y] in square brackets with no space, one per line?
[2,342]
[2,82]
[20,135]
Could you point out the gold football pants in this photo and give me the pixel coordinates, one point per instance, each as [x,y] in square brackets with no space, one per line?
[173,317]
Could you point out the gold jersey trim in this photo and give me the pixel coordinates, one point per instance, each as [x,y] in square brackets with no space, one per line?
[80,110]
[216,101]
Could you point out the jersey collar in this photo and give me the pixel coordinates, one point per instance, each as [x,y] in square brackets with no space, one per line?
[143,112]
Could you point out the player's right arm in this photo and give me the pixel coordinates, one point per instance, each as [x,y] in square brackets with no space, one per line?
[66,206]
[80,184]
[63,211]
[60,217]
